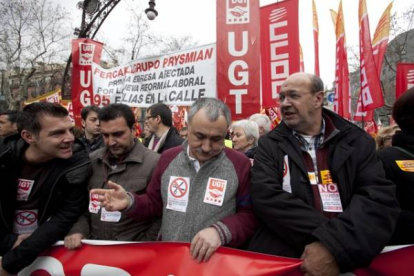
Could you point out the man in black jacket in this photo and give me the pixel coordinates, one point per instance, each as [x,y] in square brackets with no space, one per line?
[159,123]
[318,187]
[43,184]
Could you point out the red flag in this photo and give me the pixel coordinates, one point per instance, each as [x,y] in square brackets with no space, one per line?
[404,79]
[342,90]
[379,47]
[84,52]
[280,47]
[371,91]
[316,37]
[238,64]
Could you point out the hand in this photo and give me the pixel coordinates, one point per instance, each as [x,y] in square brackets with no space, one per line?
[19,240]
[113,199]
[73,241]
[204,244]
[317,260]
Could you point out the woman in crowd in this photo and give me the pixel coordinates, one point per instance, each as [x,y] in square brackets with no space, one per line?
[398,162]
[384,137]
[245,137]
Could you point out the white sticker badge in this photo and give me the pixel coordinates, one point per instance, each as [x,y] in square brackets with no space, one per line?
[215,191]
[331,200]
[94,204]
[24,188]
[25,221]
[286,176]
[110,216]
[178,190]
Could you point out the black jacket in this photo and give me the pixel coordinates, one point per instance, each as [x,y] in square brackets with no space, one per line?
[404,180]
[173,139]
[63,200]
[290,222]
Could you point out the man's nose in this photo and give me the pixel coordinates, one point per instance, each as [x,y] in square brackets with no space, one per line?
[206,146]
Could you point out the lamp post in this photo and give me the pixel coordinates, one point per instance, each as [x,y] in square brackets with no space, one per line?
[151,12]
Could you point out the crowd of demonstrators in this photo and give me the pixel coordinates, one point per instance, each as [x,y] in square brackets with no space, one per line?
[8,123]
[263,121]
[92,137]
[124,160]
[384,137]
[398,162]
[318,188]
[245,137]
[200,188]
[163,134]
[43,174]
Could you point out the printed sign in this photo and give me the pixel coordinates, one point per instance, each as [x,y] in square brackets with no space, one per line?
[286,175]
[25,221]
[215,191]
[405,165]
[178,190]
[110,216]
[24,187]
[94,204]
[326,177]
[331,200]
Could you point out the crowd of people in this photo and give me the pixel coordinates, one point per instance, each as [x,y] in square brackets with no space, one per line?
[316,187]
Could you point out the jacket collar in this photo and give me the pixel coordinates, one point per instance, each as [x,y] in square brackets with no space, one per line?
[136,154]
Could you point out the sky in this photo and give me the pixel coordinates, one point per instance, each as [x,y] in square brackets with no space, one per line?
[197,18]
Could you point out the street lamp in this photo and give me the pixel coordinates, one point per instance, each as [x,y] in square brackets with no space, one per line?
[151,12]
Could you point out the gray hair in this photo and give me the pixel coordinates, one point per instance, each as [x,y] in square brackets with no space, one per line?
[214,108]
[250,128]
[262,121]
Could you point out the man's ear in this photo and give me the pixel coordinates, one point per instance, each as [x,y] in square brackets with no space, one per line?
[83,123]
[319,99]
[28,137]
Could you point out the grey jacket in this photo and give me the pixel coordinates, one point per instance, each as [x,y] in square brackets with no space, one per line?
[133,174]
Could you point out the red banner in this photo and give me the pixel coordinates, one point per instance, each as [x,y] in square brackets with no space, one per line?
[316,37]
[172,258]
[84,52]
[404,79]
[280,47]
[342,99]
[238,64]
[161,258]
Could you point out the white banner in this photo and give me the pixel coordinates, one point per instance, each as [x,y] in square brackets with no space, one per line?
[178,78]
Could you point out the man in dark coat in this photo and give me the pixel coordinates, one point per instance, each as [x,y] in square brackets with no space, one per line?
[318,187]
[159,123]
[43,184]
[398,162]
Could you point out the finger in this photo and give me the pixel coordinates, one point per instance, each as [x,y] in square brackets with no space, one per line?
[113,185]
[196,250]
[100,192]
[194,241]
[201,253]
[209,253]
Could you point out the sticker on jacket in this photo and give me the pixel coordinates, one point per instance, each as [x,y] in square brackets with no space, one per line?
[178,190]
[24,188]
[326,177]
[215,191]
[286,175]
[405,165]
[94,204]
[331,200]
[110,216]
[25,221]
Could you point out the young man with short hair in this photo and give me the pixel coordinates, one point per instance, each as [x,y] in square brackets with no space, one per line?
[8,125]
[92,131]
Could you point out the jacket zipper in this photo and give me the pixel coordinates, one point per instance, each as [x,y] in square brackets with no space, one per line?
[53,187]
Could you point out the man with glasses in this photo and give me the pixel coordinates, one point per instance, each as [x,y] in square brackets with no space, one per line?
[159,123]
[318,187]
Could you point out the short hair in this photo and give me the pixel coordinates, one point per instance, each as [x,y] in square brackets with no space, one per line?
[402,111]
[262,120]
[316,83]
[162,110]
[384,132]
[113,111]
[11,115]
[29,118]
[214,108]
[250,128]
[87,109]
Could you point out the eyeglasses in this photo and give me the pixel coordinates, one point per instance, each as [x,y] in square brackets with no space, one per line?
[387,138]
[149,117]
[293,96]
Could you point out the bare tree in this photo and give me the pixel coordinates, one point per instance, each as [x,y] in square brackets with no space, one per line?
[33,34]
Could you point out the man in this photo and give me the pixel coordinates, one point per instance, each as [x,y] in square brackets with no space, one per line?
[92,137]
[159,122]
[43,175]
[125,160]
[184,132]
[263,122]
[201,188]
[8,123]
[318,188]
